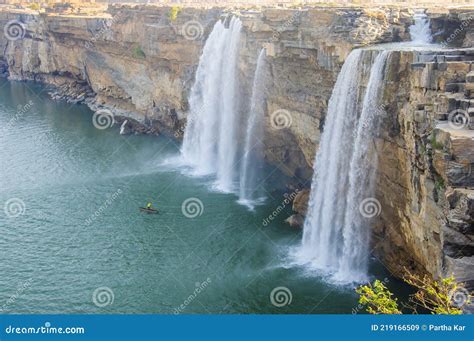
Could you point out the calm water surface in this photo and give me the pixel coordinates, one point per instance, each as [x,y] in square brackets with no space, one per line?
[80,230]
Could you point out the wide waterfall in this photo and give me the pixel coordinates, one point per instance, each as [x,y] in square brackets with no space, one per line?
[420,32]
[253,148]
[209,144]
[336,232]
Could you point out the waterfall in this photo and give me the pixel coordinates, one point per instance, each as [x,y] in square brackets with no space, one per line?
[420,32]
[209,143]
[336,235]
[253,148]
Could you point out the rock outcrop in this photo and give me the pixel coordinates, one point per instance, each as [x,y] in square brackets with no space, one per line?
[425,182]
[300,206]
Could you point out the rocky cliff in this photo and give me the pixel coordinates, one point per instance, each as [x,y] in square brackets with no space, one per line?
[139,63]
[425,182]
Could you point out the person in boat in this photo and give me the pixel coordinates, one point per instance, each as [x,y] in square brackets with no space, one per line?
[149,206]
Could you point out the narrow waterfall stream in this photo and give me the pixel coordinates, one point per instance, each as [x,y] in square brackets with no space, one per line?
[252,156]
[209,144]
[336,235]
[420,31]
[211,140]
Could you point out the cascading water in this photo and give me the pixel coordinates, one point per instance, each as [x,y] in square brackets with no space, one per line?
[336,235]
[253,148]
[209,143]
[356,232]
[420,32]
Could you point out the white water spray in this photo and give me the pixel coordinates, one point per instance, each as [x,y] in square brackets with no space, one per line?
[209,143]
[420,31]
[253,148]
[336,235]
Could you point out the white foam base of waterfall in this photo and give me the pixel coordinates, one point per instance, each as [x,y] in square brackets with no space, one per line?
[311,267]
[177,163]
[253,203]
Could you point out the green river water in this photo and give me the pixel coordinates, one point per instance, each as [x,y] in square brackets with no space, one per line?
[73,240]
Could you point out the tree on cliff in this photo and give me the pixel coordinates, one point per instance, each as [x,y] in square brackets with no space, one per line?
[442,296]
[378,299]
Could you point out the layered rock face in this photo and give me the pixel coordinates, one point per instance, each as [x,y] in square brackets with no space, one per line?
[135,61]
[425,182]
[140,61]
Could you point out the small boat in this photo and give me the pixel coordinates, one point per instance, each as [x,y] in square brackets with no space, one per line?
[148,210]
